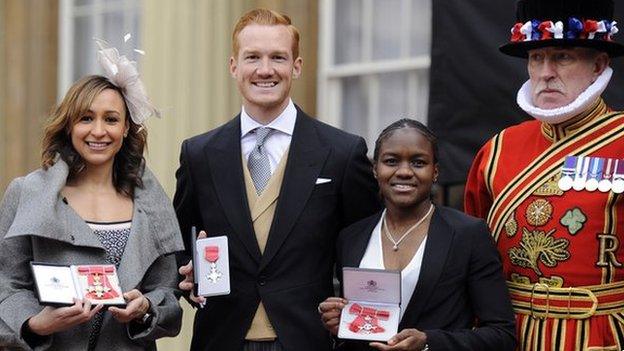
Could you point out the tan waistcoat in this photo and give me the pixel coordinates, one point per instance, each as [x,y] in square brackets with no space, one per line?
[262,209]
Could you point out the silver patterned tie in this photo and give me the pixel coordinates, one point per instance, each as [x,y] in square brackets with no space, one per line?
[258,161]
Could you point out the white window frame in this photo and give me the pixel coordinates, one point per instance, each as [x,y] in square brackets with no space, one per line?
[68,11]
[330,75]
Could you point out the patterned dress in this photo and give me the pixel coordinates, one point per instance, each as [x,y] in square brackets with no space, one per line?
[113,236]
[560,250]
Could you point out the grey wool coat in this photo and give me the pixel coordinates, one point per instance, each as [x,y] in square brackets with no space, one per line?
[37,225]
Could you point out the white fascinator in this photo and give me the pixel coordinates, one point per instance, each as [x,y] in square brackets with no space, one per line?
[123,73]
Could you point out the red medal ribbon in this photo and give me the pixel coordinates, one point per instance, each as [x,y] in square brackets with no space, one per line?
[98,276]
[367,316]
[211,253]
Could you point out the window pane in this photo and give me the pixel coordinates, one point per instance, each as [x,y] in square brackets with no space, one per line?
[421,27]
[393,95]
[348,36]
[387,33]
[82,2]
[422,95]
[114,30]
[354,106]
[84,48]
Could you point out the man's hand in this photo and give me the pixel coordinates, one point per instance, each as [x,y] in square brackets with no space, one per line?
[188,282]
[330,313]
[406,340]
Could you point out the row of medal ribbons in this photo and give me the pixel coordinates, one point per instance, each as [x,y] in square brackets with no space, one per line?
[592,173]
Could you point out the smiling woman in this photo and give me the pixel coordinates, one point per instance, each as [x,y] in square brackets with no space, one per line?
[451,275]
[93,202]
[98,135]
[93,111]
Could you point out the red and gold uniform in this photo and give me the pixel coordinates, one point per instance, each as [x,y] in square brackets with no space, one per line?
[560,250]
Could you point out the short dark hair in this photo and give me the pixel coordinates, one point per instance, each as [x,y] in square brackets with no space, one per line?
[407,123]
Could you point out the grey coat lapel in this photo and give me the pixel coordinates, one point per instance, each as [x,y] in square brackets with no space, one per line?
[154,232]
[42,212]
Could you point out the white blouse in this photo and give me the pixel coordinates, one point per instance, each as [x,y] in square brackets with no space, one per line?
[373,258]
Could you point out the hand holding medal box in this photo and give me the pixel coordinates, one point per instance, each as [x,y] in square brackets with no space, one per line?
[211,267]
[373,310]
[59,285]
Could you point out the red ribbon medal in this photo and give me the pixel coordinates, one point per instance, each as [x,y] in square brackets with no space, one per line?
[211,254]
[98,285]
[367,319]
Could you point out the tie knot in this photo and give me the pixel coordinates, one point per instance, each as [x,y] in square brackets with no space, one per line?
[261,134]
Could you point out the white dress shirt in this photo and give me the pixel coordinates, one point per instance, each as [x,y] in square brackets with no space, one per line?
[277,142]
[373,258]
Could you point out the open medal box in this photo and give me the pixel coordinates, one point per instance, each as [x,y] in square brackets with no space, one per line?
[59,285]
[373,310]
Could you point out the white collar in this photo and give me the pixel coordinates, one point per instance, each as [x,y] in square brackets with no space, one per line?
[562,114]
[285,122]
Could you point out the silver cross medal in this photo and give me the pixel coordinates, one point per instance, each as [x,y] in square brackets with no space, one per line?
[214,274]
[367,327]
[212,255]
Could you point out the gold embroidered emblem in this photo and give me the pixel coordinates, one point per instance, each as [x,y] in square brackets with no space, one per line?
[553,282]
[518,278]
[511,227]
[538,246]
[550,188]
[539,212]
[609,244]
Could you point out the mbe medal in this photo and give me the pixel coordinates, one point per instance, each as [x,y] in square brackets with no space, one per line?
[211,265]
[211,254]
[567,172]
[605,183]
[98,285]
[373,310]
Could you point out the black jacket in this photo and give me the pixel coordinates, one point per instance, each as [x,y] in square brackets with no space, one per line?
[295,272]
[461,285]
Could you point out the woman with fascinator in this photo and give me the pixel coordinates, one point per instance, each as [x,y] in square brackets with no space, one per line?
[93,202]
[453,295]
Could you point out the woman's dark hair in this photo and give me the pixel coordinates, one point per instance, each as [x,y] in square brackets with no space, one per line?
[407,123]
[129,162]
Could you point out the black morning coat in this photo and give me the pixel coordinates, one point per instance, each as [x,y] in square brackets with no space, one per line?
[295,272]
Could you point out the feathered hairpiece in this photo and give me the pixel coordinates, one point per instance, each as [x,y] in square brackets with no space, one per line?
[123,73]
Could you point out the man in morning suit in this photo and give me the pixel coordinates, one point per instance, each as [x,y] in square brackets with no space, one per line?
[280,185]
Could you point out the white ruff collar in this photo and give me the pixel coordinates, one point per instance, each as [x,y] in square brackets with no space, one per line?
[562,114]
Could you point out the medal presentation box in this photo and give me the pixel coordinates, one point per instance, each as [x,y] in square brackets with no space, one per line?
[211,266]
[373,310]
[59,285]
